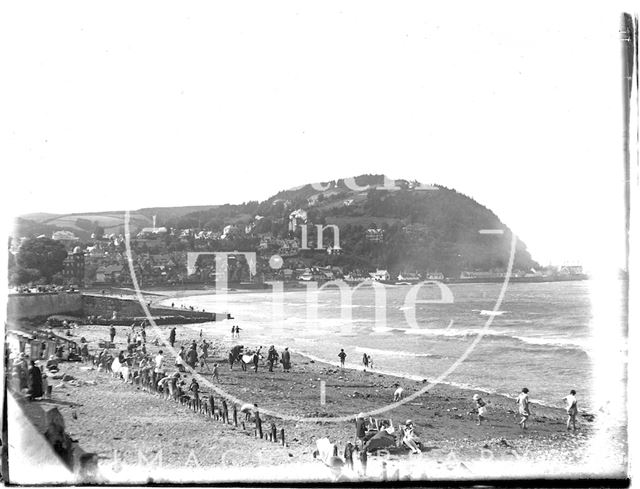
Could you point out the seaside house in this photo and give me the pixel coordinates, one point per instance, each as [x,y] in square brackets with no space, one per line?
[380,275]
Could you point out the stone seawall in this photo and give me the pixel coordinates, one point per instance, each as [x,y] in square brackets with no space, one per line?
[29,306]
[98,305]
[41,305]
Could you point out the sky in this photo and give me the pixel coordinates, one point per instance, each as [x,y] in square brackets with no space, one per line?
[124,105]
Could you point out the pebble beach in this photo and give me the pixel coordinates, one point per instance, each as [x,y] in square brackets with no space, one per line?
[139,435]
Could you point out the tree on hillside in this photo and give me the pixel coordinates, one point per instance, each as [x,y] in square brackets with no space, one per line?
[42,254]
[98,230]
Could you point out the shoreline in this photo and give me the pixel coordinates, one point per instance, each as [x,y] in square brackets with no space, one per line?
[442,417]
[400,375]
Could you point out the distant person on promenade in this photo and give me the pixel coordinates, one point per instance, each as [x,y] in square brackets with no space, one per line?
[112,333]
[172,336]
[572,409]
[342,355]
[523,407]
[286,360]
[480,408]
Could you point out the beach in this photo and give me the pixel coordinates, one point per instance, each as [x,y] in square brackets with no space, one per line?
[125,425]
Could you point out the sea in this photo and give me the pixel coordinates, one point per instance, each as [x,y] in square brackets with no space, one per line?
[539,336]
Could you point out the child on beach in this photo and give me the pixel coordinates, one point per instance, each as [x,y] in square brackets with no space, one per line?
[481,408]
[215,372]
[195,388]
[342,355]
[523,407]
[572,409]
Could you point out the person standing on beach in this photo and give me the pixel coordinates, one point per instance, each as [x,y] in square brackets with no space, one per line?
[34,385]
[481,408]
[523,407]
[272,357]
[159,361]
[361,431]
[286,360]
[112,333]
[370,362]
[195,388]
[572,409]
[215,372]
[256,357]
[192,356]
[172,336]
[233,331]
[342,355]
[365,361]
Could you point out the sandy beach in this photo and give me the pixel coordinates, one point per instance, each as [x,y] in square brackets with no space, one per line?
[120,422]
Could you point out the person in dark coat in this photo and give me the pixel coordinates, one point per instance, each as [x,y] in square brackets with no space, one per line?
[286,360]
[172,337]
[34,387]
[272,357]
[112,333]
[192,356]
[256,357]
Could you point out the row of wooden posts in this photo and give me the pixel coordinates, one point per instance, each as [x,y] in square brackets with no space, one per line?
[208,407]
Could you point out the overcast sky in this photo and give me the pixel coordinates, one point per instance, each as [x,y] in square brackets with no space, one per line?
[138,104]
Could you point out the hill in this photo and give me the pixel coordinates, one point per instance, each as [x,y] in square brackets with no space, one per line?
[399,225]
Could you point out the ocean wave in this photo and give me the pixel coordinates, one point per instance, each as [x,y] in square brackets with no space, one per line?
[583,344]
[393,352]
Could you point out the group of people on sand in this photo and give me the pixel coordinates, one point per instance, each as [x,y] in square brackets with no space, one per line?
[367,360]
[524,410]
[28,378]
[246,357]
